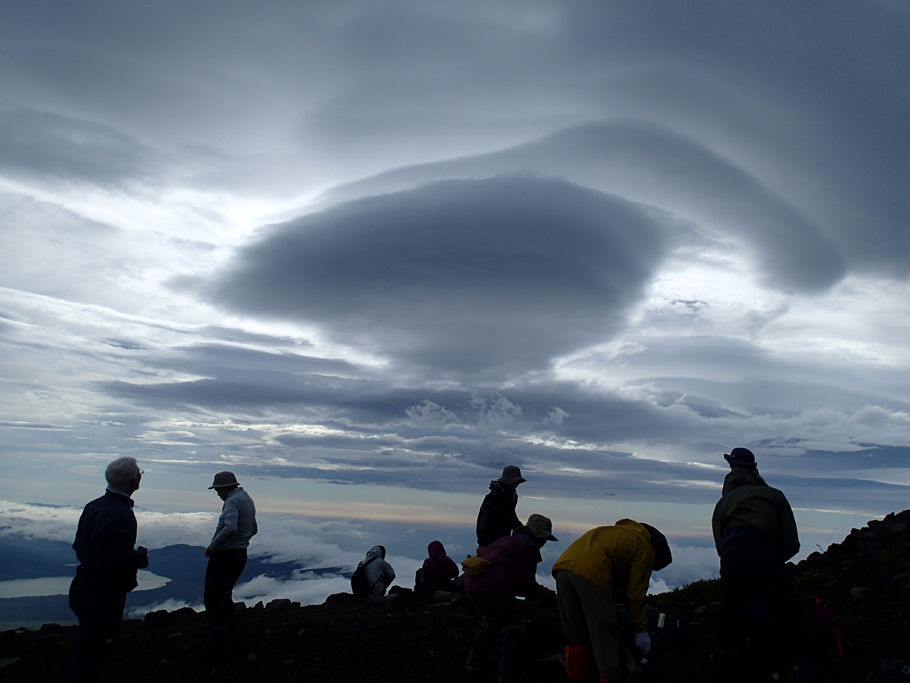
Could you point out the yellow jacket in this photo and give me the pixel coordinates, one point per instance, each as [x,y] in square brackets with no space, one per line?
[619,556]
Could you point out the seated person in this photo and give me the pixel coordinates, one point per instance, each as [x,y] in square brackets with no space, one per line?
[378,573]
[438,573]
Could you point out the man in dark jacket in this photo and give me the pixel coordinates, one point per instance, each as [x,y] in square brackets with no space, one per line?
[497,516]
[511,569]
[107,571]
[755,534]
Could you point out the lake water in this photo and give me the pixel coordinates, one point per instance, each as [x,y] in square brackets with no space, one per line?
[60,585]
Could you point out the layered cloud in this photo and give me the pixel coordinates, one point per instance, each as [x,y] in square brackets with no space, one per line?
[499,275]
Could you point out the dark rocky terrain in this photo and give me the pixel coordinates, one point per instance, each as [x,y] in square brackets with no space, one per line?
[865,580]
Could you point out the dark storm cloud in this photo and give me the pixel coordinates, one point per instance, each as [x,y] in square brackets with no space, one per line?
[458,277]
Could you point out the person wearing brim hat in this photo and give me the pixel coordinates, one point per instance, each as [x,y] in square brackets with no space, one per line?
[497,516]
[227,553]
[755,534]
[590,574]
[508,568]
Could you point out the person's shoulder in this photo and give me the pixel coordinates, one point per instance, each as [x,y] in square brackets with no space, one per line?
[110,500]
[96,502]
[778,494]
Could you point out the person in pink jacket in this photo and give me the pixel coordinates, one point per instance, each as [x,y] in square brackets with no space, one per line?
[511,569]
[438,572]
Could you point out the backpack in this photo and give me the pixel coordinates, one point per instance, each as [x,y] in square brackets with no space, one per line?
[475,565]
[360,587]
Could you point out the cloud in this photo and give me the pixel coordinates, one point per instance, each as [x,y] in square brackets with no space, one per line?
[660,167]
[470,277]
[38,521]
[47,146]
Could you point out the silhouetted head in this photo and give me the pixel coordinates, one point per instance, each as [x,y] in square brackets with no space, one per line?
[224,483]
[662,554]
[541,528]
[123,474]
[740,458]
[511,476]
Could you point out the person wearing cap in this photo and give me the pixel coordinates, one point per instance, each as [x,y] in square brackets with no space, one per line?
[594,569]
[497,516]
[754,534]
[511,569]
[227,558]
[108,568]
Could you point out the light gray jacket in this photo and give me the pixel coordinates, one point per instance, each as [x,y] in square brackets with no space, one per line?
[379,573]
[237,524]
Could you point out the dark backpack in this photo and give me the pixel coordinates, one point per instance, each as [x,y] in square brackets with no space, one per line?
[360,587]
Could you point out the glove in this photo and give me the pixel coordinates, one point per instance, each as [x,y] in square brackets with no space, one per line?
[643,642]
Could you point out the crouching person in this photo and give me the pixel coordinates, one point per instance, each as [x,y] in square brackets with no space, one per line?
[602,560]
[505,568]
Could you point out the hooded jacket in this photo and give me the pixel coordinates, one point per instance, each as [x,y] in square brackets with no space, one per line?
[747,501]
[379,573]
[514,568]
[618,557]
[438,567]
[497,517]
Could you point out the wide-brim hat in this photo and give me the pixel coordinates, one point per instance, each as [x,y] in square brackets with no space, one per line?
[511,474]
[541,527]
[741,457]
[224,480]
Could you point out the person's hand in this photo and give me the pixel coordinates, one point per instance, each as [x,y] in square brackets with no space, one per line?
[643,642]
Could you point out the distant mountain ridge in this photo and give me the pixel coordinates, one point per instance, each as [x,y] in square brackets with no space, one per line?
[184,565]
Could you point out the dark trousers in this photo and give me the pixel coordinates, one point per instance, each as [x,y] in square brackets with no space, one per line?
[588,617]
[222,572]
[98,603]
[501,633]
[758,610]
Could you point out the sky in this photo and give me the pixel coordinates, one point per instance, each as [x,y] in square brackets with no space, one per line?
[364,254]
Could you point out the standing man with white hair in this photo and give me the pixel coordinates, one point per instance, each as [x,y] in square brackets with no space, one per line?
[227,558]
[108,568]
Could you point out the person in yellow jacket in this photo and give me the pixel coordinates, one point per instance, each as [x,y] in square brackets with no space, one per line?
[601,563]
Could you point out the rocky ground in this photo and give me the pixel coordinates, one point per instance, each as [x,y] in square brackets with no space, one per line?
[865,580]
